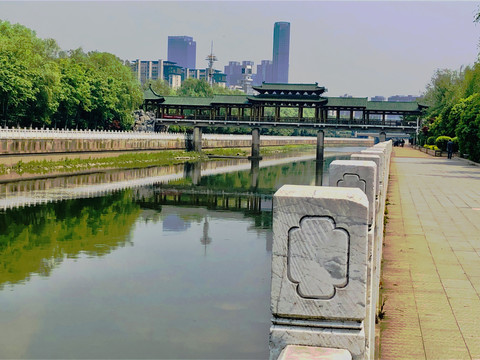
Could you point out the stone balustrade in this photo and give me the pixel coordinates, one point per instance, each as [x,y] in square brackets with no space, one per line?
[326,261]
[44,141]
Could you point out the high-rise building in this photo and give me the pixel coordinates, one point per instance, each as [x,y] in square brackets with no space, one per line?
[182,50]
[281,50]
[264,73]
[147,70]
[239,76]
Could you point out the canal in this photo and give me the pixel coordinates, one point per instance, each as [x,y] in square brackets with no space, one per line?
[170,263]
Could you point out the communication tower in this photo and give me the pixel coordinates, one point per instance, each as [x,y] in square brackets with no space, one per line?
[211,59]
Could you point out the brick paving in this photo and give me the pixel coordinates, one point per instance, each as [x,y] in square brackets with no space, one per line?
[431,259]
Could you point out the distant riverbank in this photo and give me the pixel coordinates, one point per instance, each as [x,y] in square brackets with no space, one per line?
[14,168]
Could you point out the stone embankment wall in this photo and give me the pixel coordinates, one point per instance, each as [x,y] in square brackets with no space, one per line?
[326,257]
[27,141]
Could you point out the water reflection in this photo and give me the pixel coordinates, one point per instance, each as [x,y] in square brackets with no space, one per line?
[38,239]
[147,263]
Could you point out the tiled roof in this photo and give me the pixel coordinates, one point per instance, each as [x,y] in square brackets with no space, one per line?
[287,98]
[402,106]
[230,99]
[187,101]
[288,87]
[346,102]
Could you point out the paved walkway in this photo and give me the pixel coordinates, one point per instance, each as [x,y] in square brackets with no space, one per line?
[431,267]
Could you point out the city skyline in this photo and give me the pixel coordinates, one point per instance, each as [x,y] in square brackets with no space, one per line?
[360,48]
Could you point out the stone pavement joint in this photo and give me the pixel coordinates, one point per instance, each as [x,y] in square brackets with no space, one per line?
[431,259]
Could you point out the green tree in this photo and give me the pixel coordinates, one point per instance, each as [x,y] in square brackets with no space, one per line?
[468,128]
[195,88]
[20,66]
[220,90]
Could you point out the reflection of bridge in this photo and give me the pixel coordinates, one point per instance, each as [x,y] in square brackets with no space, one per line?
[264,111]
[212,199]
[40,191]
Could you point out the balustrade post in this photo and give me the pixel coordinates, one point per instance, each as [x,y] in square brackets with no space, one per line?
[319,268]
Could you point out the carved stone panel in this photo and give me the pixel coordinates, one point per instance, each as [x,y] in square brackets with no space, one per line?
[318,257]
[319,254]
[356,174]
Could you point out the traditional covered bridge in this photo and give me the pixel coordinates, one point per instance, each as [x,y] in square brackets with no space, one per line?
[264,110]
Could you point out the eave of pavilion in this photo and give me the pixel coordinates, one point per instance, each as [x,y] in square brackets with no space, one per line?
[289,89]
[287,100]
[395,107]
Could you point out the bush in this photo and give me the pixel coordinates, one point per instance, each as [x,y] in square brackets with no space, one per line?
[455,144]
[431,147]
[468,129]
[431,140]
[442,141]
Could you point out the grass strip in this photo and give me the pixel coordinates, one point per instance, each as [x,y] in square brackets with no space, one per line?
[136,160]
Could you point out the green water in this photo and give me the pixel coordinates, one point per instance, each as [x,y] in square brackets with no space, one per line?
[175,269]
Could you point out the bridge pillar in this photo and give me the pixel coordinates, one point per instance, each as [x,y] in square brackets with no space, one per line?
[254,173]
[197,138]
[383,136]
[255,144]
[319,173]
[320,145]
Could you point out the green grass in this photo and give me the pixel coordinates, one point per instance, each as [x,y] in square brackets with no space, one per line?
[135,160]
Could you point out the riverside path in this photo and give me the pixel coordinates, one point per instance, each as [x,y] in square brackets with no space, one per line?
[431,259]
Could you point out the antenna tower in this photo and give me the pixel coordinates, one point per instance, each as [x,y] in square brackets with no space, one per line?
[211,59]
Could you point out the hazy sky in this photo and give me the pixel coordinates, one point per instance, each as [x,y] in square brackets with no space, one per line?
[360,48]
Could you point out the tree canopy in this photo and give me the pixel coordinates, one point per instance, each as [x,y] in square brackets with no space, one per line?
[454,100]
[43,86]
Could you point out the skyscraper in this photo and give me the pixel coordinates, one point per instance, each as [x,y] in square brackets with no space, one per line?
[183,51]
[281,50]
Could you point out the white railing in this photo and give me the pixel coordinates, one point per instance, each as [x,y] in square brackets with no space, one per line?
[326,259]
[26,133]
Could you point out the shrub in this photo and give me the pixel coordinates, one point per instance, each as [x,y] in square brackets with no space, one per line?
[431,140]
[442,141]
[468,129]
[431,147]
[455,144]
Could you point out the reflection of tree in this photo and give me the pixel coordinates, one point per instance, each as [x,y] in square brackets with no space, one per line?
[205,239]
[36,239]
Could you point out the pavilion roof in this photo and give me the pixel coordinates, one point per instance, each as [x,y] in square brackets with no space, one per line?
[289,88]
[287,98]
[347,102]
[187,101]
[230,99]
[205,101]
[149,94]
[394,106]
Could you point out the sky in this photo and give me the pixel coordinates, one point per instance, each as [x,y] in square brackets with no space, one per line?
[360,48]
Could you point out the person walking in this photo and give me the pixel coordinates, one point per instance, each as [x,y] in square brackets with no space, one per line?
[450,148]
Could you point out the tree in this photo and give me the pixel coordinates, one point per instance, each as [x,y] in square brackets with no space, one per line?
[195,88]
[468,128]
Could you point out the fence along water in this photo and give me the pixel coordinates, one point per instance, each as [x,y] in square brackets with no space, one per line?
[44,141]
[326,255]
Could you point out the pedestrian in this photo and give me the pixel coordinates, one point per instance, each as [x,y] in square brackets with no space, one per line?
[450,148]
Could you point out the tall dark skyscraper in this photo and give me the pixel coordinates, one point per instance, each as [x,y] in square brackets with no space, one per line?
[183,51]
[281,51]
